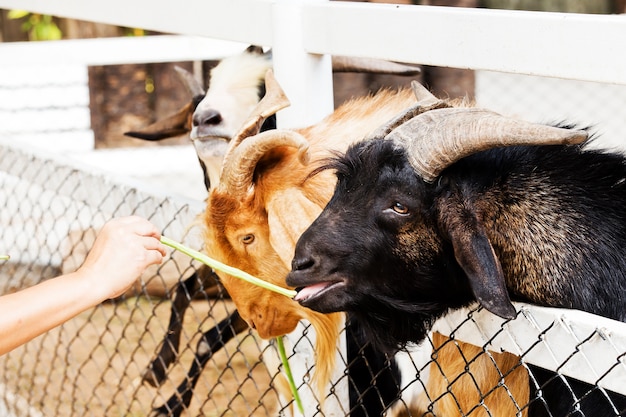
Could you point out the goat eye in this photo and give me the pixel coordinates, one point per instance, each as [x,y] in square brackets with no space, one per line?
[400,208]
[247,239]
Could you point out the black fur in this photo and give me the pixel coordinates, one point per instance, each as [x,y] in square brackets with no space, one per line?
[395,247]
[394,263]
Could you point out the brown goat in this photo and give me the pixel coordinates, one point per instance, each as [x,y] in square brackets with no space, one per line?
[465,380]
[265,200]
[262,205]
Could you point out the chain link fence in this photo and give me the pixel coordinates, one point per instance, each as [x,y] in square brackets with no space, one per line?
[92,365]
[96,364]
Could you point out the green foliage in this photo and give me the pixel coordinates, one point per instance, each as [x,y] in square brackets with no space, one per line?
[39,27]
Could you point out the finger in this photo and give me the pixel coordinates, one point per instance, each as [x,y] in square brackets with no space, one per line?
[154,257]
[140,226]
[152,243]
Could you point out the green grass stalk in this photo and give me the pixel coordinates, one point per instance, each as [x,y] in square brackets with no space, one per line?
[292,384]
[237,273]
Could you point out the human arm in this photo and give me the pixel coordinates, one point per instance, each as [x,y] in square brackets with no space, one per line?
[124,248]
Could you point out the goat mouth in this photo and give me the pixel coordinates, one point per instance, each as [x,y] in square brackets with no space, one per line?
[207,147]
[211,138]
[313,291]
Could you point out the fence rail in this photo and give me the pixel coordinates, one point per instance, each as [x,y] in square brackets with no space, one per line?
[301,33]
[564,45]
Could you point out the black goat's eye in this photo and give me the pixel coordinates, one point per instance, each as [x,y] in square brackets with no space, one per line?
[400,208]
[247,239]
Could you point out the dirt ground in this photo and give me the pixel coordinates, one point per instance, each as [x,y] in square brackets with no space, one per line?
[91,366]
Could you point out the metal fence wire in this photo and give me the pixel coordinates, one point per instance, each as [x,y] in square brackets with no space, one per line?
[94,364]
[101,362]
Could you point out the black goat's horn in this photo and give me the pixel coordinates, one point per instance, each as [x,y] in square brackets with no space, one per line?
[437,138]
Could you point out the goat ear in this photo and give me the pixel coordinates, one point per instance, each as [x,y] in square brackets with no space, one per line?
[174,125]
[289,214]
[474,253]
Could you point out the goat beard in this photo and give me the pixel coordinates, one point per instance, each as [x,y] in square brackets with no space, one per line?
[392,324]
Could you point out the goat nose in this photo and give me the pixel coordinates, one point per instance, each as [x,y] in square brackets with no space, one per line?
[302,263]
[207,118]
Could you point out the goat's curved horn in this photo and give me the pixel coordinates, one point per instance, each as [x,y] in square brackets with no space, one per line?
[436,139]
[273,101]
[193,85]
[237,174]
[371,65]
[426,101]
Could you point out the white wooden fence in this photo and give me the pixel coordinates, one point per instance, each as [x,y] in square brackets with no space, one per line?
[303,33]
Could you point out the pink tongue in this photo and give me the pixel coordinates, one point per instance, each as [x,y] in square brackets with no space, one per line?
[311,290]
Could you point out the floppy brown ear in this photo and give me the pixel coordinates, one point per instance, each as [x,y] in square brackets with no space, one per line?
[289,214]
[474,253]
[174,125]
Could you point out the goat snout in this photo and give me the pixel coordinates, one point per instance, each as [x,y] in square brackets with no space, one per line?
[319,287]
[301,263]
[209,117]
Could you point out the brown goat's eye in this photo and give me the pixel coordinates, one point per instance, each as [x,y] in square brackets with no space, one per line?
[400,208]
[247,239]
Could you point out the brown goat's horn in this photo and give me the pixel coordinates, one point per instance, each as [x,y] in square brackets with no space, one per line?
[425,102]
[273,101]
[193,85]
[436,139]
[371,65]
[424,97]
[237,175]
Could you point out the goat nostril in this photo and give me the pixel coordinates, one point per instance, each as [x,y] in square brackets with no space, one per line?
[211,118]
[300,264]
[206,118]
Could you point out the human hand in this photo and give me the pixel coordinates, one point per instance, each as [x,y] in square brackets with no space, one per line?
[123,249]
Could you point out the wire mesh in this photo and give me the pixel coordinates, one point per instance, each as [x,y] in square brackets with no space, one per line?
[104,361]
[93,364]
[96,364]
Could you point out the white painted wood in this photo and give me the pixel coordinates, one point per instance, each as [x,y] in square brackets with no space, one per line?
[581,345]
[563,45]
[537,43]
[112,51]
[247,21]
[307,81]
[306,78]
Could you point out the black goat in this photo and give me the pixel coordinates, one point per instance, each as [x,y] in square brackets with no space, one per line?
[446,206]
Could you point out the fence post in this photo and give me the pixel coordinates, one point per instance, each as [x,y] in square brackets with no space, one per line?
[306,78]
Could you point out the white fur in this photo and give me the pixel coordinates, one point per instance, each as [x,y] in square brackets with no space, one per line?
[233,92]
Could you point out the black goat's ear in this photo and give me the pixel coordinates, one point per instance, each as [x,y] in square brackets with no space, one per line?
[474,253]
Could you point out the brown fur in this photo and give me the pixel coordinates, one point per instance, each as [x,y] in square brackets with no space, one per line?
[285,201]
[464,380]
